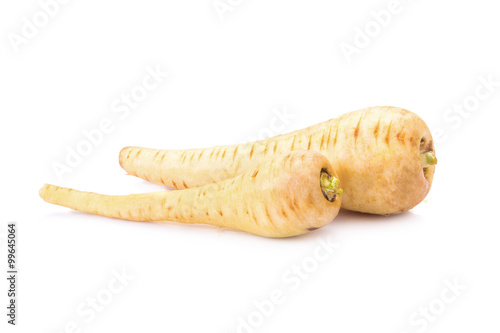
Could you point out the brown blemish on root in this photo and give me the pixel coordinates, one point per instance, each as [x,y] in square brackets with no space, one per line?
[251,150]
[293,142]
[312,229]
[375,131]
[401,137]
[275,146]
[309,143]
[322,140]
[269,216]
[329,135]
[184,184]
[291,208]
[388,133]
[286,158]
[235,151]
[154,157]
[254,218]
[174,184]
[223,153]
[336,135]
[356,130]
[162,157]
[255,173]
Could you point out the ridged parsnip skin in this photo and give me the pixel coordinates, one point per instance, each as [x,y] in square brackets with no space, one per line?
[279,198]
[375,151]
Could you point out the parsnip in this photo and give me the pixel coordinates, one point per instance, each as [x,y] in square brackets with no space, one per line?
[384,157]
[286,196]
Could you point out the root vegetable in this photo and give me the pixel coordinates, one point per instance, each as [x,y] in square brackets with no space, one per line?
[286,196]
[384,157]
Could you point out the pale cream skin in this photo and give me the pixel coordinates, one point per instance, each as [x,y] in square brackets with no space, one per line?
[289,195]
[384,157]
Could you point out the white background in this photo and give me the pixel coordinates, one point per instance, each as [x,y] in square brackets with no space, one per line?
[226,80]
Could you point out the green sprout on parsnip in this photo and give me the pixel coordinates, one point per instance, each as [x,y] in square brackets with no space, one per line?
[330,186]
[428,159]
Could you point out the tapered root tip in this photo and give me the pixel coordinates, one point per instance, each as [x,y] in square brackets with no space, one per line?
[44,191]
[121,156]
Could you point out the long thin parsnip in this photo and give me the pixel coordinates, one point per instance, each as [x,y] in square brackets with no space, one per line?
[383,155]
[288,195]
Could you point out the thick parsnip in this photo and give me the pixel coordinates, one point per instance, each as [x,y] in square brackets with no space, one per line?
[286,196]
[384,157]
